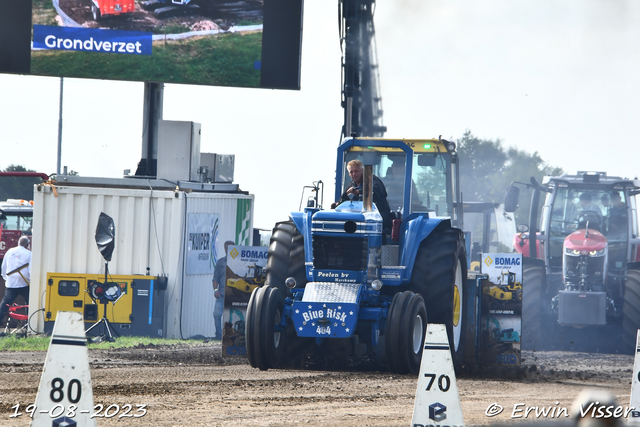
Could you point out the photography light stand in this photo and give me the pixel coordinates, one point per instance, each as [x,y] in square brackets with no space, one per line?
[105,292]
[108,292]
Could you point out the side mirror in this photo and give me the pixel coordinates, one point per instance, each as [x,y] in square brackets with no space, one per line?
[511,198]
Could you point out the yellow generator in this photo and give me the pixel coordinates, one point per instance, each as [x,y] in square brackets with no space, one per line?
[138,309]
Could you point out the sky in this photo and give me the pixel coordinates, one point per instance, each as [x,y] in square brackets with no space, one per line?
[557,77]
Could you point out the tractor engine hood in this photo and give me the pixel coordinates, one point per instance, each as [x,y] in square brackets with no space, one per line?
[348,218]
[585,241]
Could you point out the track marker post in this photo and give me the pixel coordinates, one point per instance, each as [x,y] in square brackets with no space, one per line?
[634,416]
[437,399]
[65,393]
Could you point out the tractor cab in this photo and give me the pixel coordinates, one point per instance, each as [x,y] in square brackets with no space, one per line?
[420,176]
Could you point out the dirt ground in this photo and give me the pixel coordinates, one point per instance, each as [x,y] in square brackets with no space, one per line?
[193,386]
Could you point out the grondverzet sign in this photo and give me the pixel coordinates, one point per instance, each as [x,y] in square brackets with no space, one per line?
[258,44]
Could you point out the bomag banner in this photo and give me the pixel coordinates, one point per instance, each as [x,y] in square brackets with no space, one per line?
[501,309]
[245,272]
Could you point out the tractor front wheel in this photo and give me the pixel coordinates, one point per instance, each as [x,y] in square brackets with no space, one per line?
[406,327]
[264,333]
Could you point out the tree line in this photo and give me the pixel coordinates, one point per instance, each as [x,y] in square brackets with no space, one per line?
[487,168]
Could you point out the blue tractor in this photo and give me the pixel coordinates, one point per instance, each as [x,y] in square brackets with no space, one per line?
[343,290]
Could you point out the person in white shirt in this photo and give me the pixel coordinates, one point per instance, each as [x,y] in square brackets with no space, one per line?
[16,283]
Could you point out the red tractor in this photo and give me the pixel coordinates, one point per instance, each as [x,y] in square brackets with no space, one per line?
[581,267]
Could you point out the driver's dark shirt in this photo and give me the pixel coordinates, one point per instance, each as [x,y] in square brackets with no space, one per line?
[379,198]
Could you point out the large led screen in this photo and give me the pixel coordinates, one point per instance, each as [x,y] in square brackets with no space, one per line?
[245,43]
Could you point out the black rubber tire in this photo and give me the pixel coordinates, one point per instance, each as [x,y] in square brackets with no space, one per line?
[256,318]
[297,268]
[250,331]
[271,339]
[531,324]
[439,269]
[406,328]
[393,344]
[285,257]
[631,310]
[414,329]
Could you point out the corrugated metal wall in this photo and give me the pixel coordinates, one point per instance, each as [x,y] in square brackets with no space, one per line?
[150,232]
[198,299]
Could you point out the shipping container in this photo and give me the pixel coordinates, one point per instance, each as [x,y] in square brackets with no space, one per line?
[158,231]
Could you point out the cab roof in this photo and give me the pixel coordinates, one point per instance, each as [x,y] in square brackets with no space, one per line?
[591,179]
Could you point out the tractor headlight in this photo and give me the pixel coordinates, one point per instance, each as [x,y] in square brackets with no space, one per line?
[290,282]
[597,253]
[572,252]
[376,285]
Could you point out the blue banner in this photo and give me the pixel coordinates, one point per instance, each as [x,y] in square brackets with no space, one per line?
[92,40]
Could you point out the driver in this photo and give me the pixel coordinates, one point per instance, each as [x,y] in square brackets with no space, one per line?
[355,187]
[585,203]
[588,208]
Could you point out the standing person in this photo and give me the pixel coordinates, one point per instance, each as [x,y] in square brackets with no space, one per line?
[219,283]
[15,283]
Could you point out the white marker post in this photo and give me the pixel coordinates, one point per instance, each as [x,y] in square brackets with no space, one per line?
[437,399]
[634,416]
[65,394]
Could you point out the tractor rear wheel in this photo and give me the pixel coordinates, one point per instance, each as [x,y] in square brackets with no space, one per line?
[631,310]
[285,257]
[531,324]
[439,274]
[406,327]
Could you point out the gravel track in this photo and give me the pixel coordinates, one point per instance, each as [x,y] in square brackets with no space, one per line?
[194,386]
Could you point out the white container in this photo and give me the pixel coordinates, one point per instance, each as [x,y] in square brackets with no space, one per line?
[151,238]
